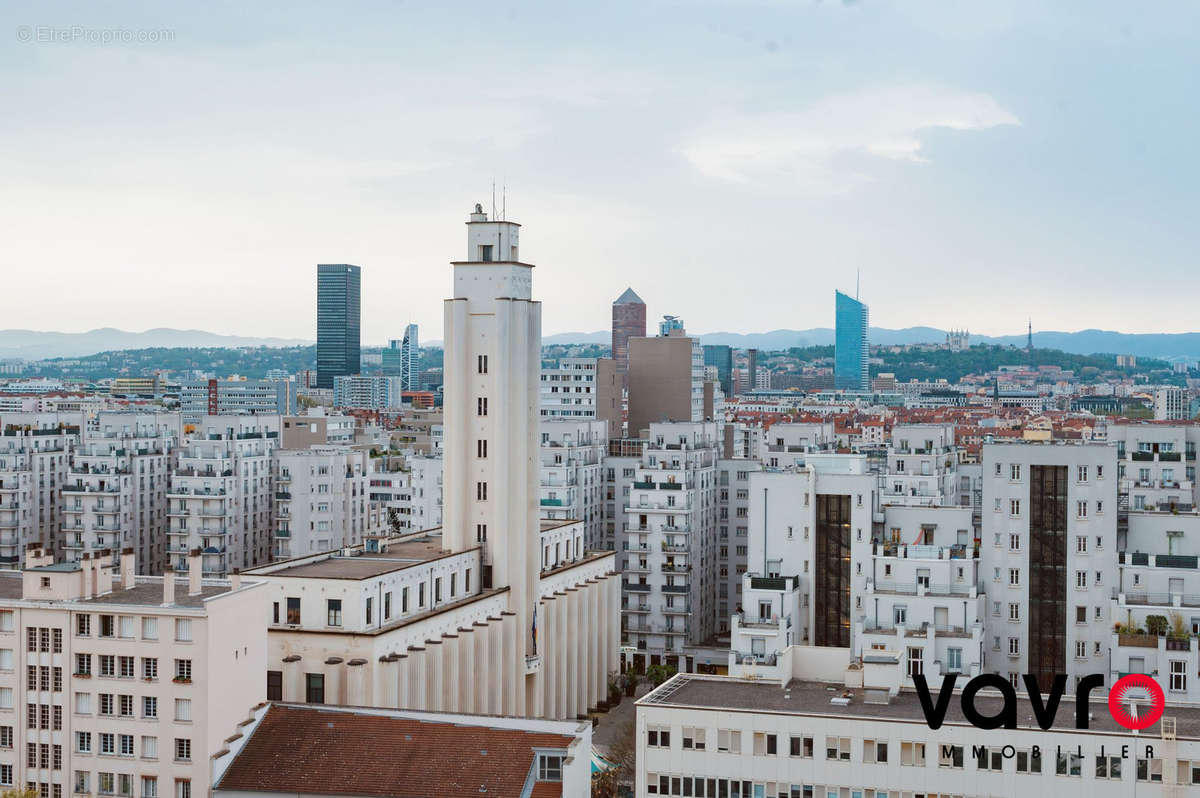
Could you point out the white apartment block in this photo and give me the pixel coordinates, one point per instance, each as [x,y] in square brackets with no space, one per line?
[34,457]
[123,685]
[809,565]
[322,501]
[221,497]
[365,392]
[827,731]
[569,391]
[921,464]
[115,496]
[572,484]
[1170,403]
[788,443]
[733,542]
[1048,557]
[425,491]
[1156,465]
[670,546]
[235,397]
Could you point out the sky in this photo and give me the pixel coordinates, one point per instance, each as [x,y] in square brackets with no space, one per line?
[978,164]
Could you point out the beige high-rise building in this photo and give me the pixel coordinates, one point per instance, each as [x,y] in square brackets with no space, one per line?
[666,381]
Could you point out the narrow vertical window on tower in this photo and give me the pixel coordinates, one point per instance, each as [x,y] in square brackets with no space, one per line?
[482,364]
[481,533]
[485,252]
[481,491]
[481,406]
[481,449]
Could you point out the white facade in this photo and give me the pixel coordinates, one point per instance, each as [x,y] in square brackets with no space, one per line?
[321,500]
[569,391]
[364,392]
[111,683]
[34,458]
[572,485]
[1157,465]
[733,542]
[221,497]
[1170,403]
[670,546]
[1047,556]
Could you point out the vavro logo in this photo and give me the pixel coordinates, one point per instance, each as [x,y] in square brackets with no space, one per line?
[1044,710]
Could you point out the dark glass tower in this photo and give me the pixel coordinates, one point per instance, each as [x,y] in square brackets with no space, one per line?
[721,357]
[338,291]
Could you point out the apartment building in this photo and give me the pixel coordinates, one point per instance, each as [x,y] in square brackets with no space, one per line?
[787,444]
[825,730]
[118,684]
[580,388]
[733,539]
[921,465]
[35,450]
[572,484]
[1170,403]
[1156,465]
[666,380]
[233,397]
[1047,554]
[670,544]
[115,496]
[322,500]
[364,392]
[221,498]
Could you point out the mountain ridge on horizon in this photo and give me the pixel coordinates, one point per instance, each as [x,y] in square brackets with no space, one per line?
[35,345]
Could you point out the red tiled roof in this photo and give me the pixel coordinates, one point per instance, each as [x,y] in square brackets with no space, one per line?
[311,750]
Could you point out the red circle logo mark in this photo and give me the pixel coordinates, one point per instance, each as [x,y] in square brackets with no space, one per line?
[1120,690]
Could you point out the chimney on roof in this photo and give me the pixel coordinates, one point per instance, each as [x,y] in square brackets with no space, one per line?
[104,573]
[127,569]
[194,558]
[168,586]
[235,579]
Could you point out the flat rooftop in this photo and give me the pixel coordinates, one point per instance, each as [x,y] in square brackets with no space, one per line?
[813,698]
[146,592]
[364,564]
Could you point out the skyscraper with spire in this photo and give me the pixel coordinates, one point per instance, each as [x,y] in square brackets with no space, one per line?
[852,349]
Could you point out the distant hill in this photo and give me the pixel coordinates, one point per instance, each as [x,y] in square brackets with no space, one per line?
[34,345]
[1084,342]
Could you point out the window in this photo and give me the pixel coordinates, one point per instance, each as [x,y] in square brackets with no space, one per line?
[481,491]
[149,668]
[126,667]
[125,704]
[314,692]
[950,756]
[107,627]
[658,737]
[183,630]
[82,781]
[801,747]
[274,685]
[1082,473]
[370,610]
[1014,611]
[108,665]
[125,744]
[293,610]
[916,662]
[149,787]
[333,612]
[1014,577]
[837,748]
[1080,649]
[183,749]
[183,788]
[108,743]
[954,660]
[1014,646]
[1014,507]
[1178,671]
[6,736]
[1028,762]
[83,703]
[912,754]
[481,449]
[149,706]
[729,741]
[149,748]
[481,533]
[106,703]
[875,751]
[183,709]
[183,670]
[83,742]
[549,767]
[149,628]
[481,406]
[1014,542]
[481,361]
[1081,580]
[1108,767]
[1014,472]
[104,783]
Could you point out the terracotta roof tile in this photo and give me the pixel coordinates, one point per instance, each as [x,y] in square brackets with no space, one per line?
[314,750]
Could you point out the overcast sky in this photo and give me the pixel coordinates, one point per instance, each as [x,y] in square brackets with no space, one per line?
[734,162]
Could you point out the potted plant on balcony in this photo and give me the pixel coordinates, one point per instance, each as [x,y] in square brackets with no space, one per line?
[182,680]
[1156,625]
[657,674]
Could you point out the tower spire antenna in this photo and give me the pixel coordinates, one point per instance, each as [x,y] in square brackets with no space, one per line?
[503,201]
[493,199]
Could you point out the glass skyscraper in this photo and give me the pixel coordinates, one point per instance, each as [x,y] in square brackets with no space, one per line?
[851,351]
[338,296]
[721,356]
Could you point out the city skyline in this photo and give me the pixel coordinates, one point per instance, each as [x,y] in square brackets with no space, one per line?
[949,146]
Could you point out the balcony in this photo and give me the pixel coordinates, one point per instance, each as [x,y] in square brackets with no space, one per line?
[553,503]
[644,485]
[283,495]
[919,588]
[676,610]
[675,588]
[637,609]
[634,587]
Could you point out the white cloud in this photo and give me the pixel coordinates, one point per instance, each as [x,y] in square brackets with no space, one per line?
[808,143]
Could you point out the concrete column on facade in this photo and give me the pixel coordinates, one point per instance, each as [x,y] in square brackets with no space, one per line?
[481,676]
[450,672]
[614,622]
[416,678]
[563,623]
[466,680]
[593,642]
[397,680]
[293,679]
[334,689]
[570,663]
[511,670]
[434,675]
[495,666]
[583,623]
[549,650]
[357,677]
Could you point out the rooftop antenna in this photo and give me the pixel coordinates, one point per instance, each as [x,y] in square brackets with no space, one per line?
[503,202]
[493,199]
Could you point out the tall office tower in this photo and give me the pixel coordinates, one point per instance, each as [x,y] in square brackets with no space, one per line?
[751,369]
[628,321]
[338,296]
[1049,537]
[220,499]
[852,350]
[721,357]
[410,359]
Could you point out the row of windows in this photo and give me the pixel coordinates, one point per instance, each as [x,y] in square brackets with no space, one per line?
[333,607]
